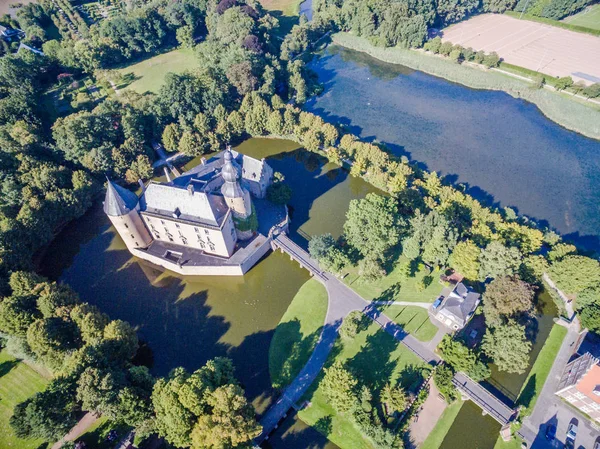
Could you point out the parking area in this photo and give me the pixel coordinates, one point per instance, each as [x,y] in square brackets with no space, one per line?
[561,415]
[535,46]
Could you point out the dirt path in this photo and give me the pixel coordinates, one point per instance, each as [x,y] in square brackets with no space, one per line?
[421,426]
[79,429]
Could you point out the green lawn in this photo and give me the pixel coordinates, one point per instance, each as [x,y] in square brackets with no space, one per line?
[95,437]
[541,368]
[389,289]
[414,320]
[286,12]
[297,333]
[148,75]
[588,18]
[376,358]
[437,435]
[17,383]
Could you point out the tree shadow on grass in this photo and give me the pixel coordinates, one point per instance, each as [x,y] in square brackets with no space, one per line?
[528,393]
[372,363]
[7,366]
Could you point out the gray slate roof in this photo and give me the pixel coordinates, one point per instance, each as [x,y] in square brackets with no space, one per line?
[460,303]
[118,200]
[575,370]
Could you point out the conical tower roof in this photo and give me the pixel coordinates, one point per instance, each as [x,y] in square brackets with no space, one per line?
[231,173]
[118,201]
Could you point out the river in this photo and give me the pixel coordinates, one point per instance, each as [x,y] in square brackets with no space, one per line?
[503,149]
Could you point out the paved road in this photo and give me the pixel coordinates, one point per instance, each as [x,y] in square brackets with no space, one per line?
[79,429]
[551,410]
[342,301]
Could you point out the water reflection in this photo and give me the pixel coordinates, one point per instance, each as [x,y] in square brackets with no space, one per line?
[502,148]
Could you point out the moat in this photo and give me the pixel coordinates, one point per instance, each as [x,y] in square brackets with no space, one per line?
[501,145]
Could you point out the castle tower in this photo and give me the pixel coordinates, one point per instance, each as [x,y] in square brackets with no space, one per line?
[122,208]
[236,196]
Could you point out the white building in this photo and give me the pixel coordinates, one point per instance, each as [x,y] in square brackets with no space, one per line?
[191,220]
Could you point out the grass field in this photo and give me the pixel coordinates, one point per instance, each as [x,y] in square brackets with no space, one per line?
[388,288]
[437,435]
[17,383]
[541,368]
[148,75]
[95,437]
[297,333]
[588,18]
[286,11]
[376,359]
[414,320]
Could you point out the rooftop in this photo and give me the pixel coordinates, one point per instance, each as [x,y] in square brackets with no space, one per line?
[577,369]
[118,200]
[460,302]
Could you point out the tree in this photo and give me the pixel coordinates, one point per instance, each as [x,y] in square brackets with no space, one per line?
[461,358]
[231,422]
[241,77]
[17,313]
[465,259]
[171,136]
[98,390]
[491,60]
[373,225]
[498,260]
[123,339]
[51,338]
[90,321]
[563,83]
[339,386]
[506,297]
[508,347]
[573,274]
[394,398]
[191,144]
[279,192]
[443,381]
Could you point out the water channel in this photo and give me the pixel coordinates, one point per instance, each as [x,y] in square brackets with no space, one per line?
[503,149]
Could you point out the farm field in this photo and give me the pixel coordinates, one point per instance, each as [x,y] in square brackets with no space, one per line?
[17,383]
[148,75]
[589,18]
[535,46]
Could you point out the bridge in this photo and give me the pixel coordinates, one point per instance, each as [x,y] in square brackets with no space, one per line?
[489,403]
[282,242]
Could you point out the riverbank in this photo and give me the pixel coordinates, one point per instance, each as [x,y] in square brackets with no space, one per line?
[570,113]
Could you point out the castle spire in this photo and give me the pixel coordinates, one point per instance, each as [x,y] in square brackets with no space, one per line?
[118,200]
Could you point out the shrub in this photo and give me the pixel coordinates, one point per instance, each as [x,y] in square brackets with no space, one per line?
[563,83]
[491,60]
[456,56]
[446,48]
[592,91]
[434,45]
[352,325]
[443,381]
[539,81]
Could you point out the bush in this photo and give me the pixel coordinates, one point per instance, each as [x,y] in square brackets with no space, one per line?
[491,60]
[592,91]
[456,56]
[352,325]
[279,193]
[443,381]
[446,48]
[539,81]
[563,83]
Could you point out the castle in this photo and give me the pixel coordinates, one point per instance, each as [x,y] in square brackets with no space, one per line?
[203,222]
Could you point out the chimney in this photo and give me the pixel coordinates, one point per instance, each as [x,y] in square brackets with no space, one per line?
[203,160]
[141,183]
[190,189]
[167,174]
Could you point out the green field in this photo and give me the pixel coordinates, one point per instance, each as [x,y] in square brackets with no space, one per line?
[588,18]
[17,383]
[297,333]
[388,288]
[376,359]
[414,320]
[148,75]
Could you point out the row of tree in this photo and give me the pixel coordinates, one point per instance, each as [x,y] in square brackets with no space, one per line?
[552,9]
[91,358]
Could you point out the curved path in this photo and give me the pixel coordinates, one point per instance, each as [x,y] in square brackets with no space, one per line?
[342,301]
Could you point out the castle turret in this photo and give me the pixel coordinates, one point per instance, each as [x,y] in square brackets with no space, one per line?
[122,208]
[236,196]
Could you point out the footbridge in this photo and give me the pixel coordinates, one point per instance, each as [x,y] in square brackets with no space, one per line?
[489,403]
[282,242]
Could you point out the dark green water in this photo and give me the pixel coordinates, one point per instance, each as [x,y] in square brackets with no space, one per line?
[502,148]
[187,321]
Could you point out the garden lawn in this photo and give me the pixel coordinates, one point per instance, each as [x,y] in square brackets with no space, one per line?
[414,320]
[96,436]
[388,288]
[375,358]
[437,435]
[297,333]
[588,18]
[149,74]
[17,383]
[540,370]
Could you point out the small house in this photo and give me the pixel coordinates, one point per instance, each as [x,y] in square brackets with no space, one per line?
[455,306]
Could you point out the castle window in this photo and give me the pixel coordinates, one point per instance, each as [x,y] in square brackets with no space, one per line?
[184,240]
[132,236]
[170,238]
[166,229]
[211,246]
[232,231]
[137,244]
[157,235]
[126,225]
[196,229]
[162,222]
[177,225]
[206,231]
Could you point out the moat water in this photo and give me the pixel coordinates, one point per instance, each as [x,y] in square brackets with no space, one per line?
[503,149]
[187,321]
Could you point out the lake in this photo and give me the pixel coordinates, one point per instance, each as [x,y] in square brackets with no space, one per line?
[503,149]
